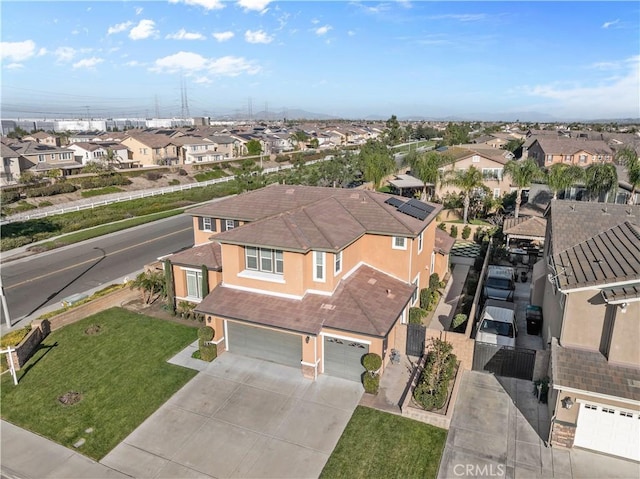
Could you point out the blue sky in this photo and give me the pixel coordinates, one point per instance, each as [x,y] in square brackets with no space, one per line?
[351,59]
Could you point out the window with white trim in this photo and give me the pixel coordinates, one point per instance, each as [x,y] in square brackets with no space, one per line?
[337,263]
[414,296]
[399,242]
[475,159]
[496,193]
[420,242]
[433,262]
[318,266]
[230,224]
[266,260]
[206,223]
[194,284]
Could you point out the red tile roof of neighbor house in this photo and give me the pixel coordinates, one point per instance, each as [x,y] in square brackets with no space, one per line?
[590,371]
[367,302]
[444,241]
[301,218]
[208,254]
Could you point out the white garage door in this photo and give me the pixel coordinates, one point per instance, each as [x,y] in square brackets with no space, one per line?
[261,343]
[609,430]
[343,358]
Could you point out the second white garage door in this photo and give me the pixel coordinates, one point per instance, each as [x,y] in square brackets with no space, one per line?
[343,358]
[261,343]
[608,430]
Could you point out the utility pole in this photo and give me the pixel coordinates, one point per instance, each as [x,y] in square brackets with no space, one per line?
[5,308]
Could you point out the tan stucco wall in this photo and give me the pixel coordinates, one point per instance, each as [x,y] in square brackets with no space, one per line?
[180,280]
[137,151]
[202,236]
[571,415]
[551,313]
[442,265]
[464,164]
[624,347]
[584,320]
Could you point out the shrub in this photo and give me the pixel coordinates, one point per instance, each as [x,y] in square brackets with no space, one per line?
[458,321]
[182,172]
[372,362]
[51,190]
[196,354]
[442,226]
[434,281]
[208,352]
[429,299]
[416,315]
[466,232]
[7,197]
[454,231]
[433,386]
[42,204]
[371,383]
[13,338]
[103,181]
[174,182]
[206,333]
[153,175]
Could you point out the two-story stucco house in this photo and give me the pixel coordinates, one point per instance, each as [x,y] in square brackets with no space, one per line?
[309,277]
[10,171]
[575,151]
[588,285]
[150,149]
[39,157]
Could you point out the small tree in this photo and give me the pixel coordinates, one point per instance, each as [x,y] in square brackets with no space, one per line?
[208,350]
[466,232]
[168,279]
[151,285]
[205,281]
[372,362]
[454,231]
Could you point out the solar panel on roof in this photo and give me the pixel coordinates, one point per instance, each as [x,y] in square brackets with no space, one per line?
[395,202]
[416,209]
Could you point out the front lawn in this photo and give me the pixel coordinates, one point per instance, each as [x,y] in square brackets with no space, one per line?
[379,444]
[116,361]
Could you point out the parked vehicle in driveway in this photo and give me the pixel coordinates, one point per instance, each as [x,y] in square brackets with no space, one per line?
[497,323]
[499,283]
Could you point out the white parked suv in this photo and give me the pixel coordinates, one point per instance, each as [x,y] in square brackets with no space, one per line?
[498,323]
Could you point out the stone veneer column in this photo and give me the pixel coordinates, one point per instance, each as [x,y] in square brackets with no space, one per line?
[562,433]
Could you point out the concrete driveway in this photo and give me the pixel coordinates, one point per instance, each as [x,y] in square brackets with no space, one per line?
[241,417]
[499,430]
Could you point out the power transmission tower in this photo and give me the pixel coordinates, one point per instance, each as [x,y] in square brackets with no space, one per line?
[185,100]
[157,107]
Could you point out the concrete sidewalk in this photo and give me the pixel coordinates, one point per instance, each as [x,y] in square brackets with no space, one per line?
[441,319]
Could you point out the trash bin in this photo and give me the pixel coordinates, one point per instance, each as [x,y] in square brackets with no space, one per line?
[534,319]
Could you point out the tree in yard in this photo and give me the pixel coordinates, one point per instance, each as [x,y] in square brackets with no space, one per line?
[205,280]
[394,133]
[426,168]
[375,162]
[168,279]
[250,176]
[455,134]
[314,142]
[629,158]
[300,138]
[522,173]
[151,285]
[254,147]
[468,181]
[561,176]
[601,179]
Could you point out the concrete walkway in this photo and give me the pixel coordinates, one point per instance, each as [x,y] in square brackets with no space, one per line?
[443,315]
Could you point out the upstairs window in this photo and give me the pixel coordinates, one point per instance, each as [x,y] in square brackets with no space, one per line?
[337,266]
[318,266]
[194,284]
[208,224]
[399,242]
[266,260]
[420,242]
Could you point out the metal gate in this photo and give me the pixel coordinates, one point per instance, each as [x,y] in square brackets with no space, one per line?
[504,360]
[415,339]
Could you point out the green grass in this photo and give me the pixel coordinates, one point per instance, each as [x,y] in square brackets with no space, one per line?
[121,373]
[379,444]
[73,238]
[101,191]
[210,175]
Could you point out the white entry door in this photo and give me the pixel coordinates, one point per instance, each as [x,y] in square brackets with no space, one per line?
[609,430]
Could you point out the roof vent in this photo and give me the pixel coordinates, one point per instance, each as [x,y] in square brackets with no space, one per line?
[354,196]
[372,281]
[290,191]
[330,307]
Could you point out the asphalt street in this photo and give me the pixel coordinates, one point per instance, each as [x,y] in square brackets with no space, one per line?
[35,282]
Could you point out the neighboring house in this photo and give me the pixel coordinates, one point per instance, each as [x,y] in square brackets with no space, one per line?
[490,161]
[10,171]
[576,151]
[44,138]
[150,149]
[85,137]
[39,157]
[309,277]
[99,151]
[193,149]
[229,146]
[588,286]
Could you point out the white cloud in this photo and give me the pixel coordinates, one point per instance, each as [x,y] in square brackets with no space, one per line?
[610,24]
[202,80]
[351,33]
[17,51]
[223,36]
[139,10]
[463,17]
[120,27]
[64,54]
[255,5]
[315,21]
[258,36]
[132,63]
[182,34]
[192,63]
[144,29]
[88,63]
[616,96]
[42,51]
[323,30]
[206,4]
[15,66]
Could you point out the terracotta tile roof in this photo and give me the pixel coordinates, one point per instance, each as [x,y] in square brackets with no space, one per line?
[7,152]
[525,226]
[590,371]
[570,146]
[444,241]
[457,153]
[208,254]
[594,243]
[367,302]
[301,218]
[152,140]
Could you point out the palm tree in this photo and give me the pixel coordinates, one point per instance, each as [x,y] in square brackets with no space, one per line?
[629,158]
[425,167]
[375,162]
[601,178]
[467,181]
[562,176]
[522,174]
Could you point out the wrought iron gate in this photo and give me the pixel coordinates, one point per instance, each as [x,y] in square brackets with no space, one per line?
[504,360]
[415,339]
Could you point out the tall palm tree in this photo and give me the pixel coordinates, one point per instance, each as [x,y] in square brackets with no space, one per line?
[522,173]
[425,167]
[468,181]
[601,179]
[629,158]
[562,176]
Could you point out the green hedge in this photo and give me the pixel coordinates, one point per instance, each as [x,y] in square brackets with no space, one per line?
[433,386]
[416,315]
[371,383]
[51,190]
[102,181]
